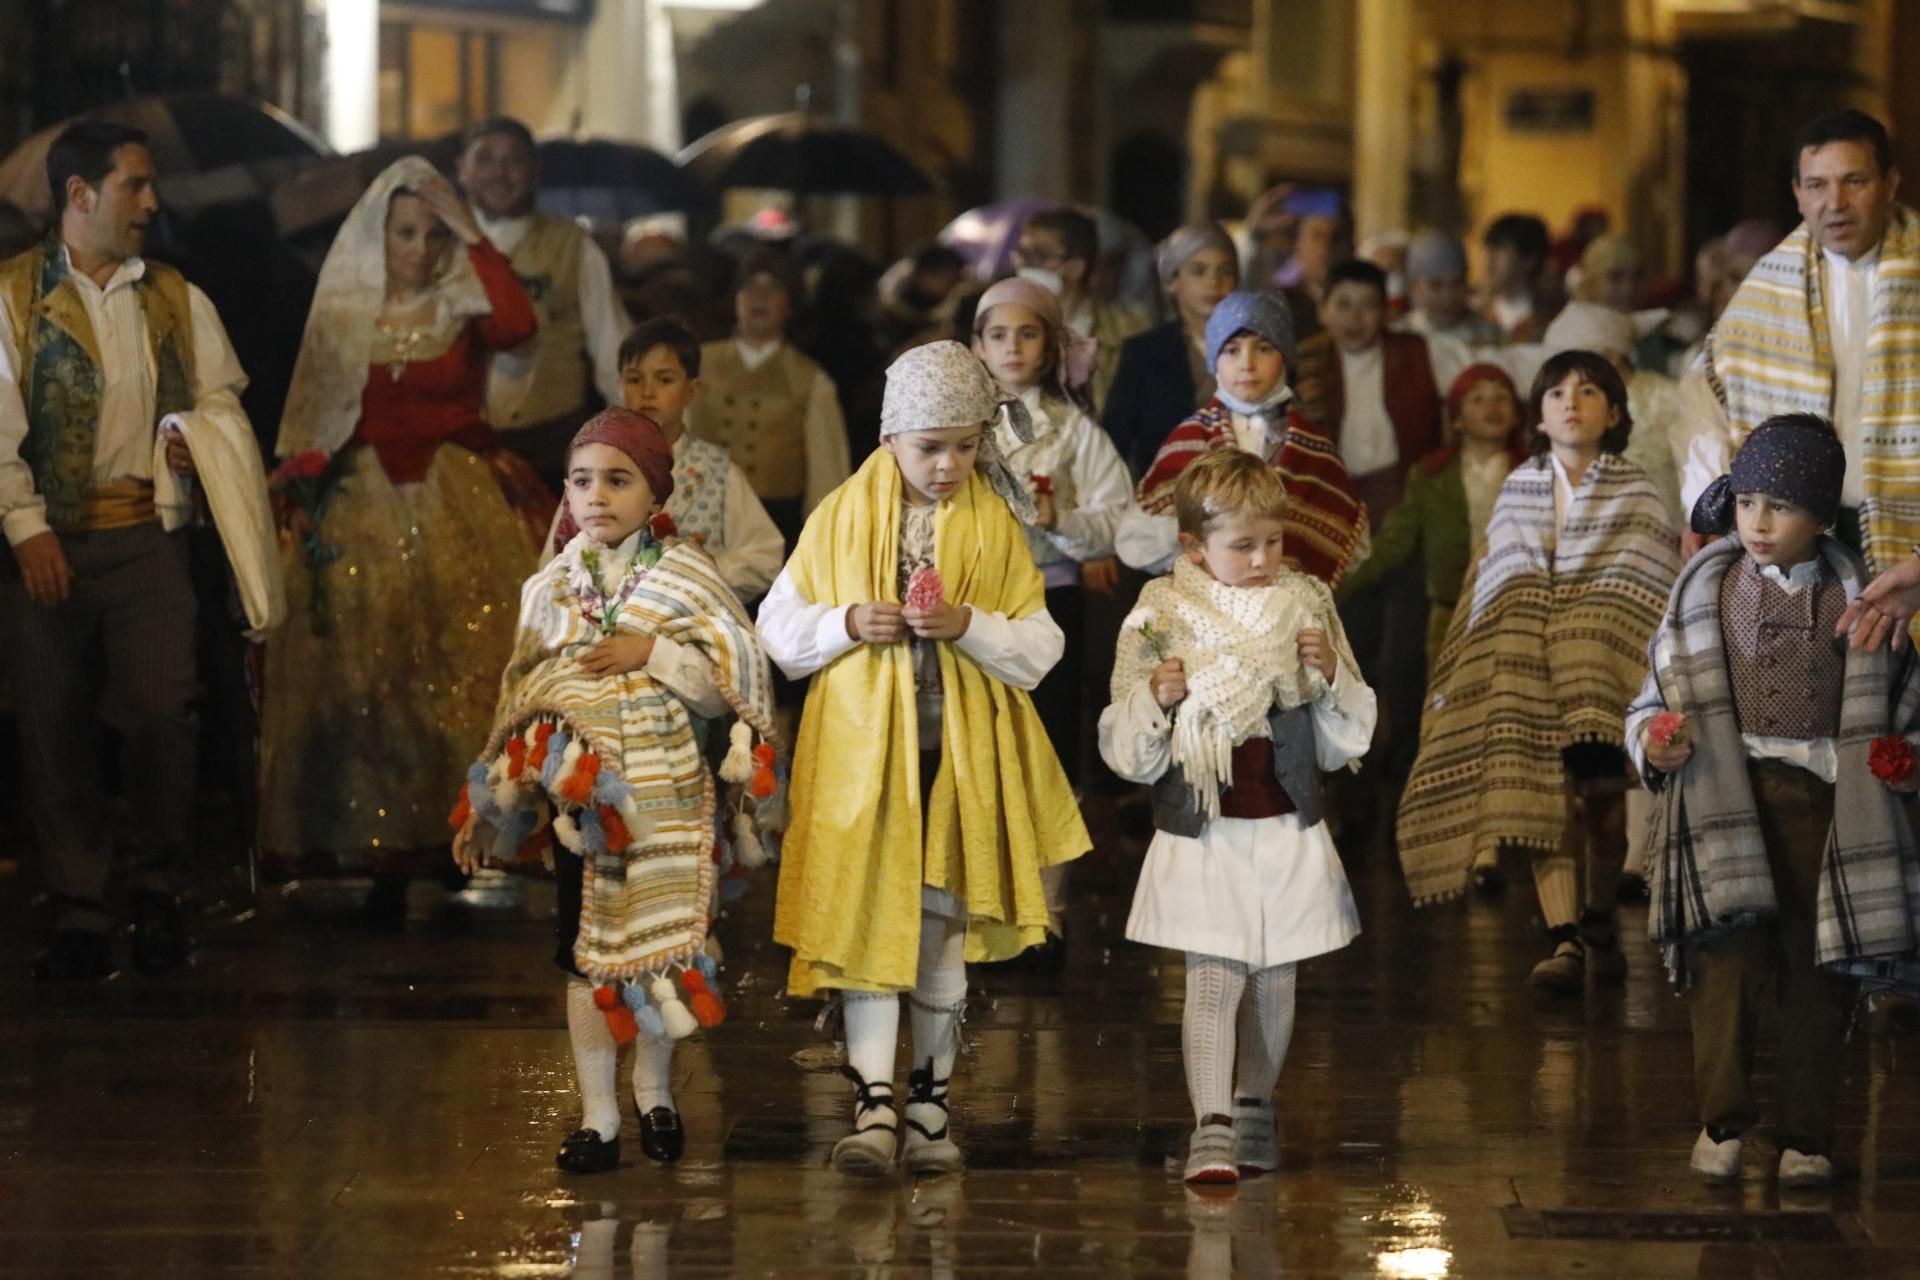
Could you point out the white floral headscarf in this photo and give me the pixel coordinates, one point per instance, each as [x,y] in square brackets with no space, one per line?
[942,384]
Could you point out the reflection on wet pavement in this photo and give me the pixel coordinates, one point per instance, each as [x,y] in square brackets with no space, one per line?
[311,1100]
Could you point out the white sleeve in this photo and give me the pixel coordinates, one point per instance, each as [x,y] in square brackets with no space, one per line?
[1016,652]
[751,549]
[1343,719]
[801,637]
[23,512]
[1702,435]
[1136,738]
[218,378]
[604,317]
[1145,542]
[1103,490]
[688,675]
[826,441]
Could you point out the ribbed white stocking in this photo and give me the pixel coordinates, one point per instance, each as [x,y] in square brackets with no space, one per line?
[1265,1030]
[596,1061]
[1214,988]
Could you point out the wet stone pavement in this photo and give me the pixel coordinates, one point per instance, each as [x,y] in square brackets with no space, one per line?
[314,1100]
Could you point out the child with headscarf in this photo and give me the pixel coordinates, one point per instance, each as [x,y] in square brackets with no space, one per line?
[1785,866]
[926,799]
[595,762]
[1250,346]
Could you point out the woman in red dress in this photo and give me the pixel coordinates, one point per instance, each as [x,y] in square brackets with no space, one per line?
[408,532]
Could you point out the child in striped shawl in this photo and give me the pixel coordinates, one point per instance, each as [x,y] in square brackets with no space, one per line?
[1523,740]
[595,760]
[1782,864]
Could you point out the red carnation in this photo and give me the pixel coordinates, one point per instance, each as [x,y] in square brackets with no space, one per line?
[925,591]
[304,465]
[1669,727]
[1042,485]
[1892,760]
[662,526]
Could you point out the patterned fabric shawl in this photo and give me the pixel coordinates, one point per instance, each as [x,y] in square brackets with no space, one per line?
[1770,353]
[1709,868]
[646,905]
[1325,523]
[1546,649]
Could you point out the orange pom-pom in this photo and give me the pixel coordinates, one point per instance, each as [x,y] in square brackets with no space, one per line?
[541,732]
[537,756]
[618,837]
[516,755]
[621,1023]
[589,765]
[691,982]
[606,999]
[763,783]
[462,810]
[707,1009]
[763,754]
[577,786]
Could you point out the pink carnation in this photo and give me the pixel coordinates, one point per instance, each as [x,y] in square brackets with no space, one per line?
[925,590]
[1669,727]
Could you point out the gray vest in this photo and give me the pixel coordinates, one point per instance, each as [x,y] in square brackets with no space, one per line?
[1296,766]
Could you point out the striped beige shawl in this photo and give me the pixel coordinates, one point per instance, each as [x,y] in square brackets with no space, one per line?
[1545,650]
[1708,867]
[647,905]
[1770,354]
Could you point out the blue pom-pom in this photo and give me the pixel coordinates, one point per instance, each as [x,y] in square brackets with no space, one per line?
[480,799]
[708,969]
[732,889]
[550,767]
[593,836]
[652,1025]
[633,997]
[609,788]
[477,772]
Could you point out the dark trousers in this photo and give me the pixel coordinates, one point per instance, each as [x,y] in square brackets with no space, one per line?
[1058,699]
[1772,964]
[118,651]
[1387,627]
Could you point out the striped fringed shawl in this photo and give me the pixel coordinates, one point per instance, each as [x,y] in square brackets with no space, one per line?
[1709,869]
[1545,650]
[1770,353]
[1324,524]
[646,907]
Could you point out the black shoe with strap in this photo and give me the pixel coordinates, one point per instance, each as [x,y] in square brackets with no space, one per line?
[661,1137]
[585,1151]
[929,1147]
[868,1150]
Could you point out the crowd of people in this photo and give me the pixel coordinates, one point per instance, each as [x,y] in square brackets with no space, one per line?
[1530,569]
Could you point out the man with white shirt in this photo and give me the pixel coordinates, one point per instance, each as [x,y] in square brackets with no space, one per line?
[109,366]
[539,393]
[1823,325]
[772,409]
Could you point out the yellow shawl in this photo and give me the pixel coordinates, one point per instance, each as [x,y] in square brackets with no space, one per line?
[859,848]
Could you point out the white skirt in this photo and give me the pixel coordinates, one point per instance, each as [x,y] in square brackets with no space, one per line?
[1258,890]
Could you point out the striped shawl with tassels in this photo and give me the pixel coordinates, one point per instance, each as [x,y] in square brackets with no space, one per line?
[1546,648]
[1770,353]
[1708,868]
[647,906]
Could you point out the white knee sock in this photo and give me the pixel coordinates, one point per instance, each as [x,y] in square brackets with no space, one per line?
[596,1059]
[873,1034]
[1556,872]
[1214,988]
[1265,1030]
[652,1074]
[1639,809]
[1053,882]
[939,995]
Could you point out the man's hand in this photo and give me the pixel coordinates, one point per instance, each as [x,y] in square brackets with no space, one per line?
[942,622]
[1102,577]
[1882,611]
[617,655]
[43,565]
[1317,651]
[877,623]
[179,457]
[1168,683]
[1669,757]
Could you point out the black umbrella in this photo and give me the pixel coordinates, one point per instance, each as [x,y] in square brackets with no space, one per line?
[209,148]
[610,182]
[799,152]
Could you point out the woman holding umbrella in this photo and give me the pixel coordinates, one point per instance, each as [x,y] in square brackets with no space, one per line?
[1163,375]
[408,533]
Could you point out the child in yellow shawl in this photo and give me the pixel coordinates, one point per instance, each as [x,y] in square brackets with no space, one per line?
[623,639]
[925,796]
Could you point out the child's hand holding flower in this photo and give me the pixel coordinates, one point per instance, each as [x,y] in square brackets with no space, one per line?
[618,654]
[1168,683]
[1044,513]
[941,621]
[877,623]
[1317,651]
[1669,744]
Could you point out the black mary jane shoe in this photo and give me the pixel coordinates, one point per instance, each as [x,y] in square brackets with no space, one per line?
[661,1137]
[586,1152]
[75,955]
[161,942]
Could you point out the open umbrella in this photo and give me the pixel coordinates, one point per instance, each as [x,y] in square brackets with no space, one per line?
[611,182]
[209,148]
[800,152]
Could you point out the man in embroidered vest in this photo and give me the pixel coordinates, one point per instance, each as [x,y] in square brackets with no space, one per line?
[772,409]
[1824,324]
[539,393]
[109,367]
